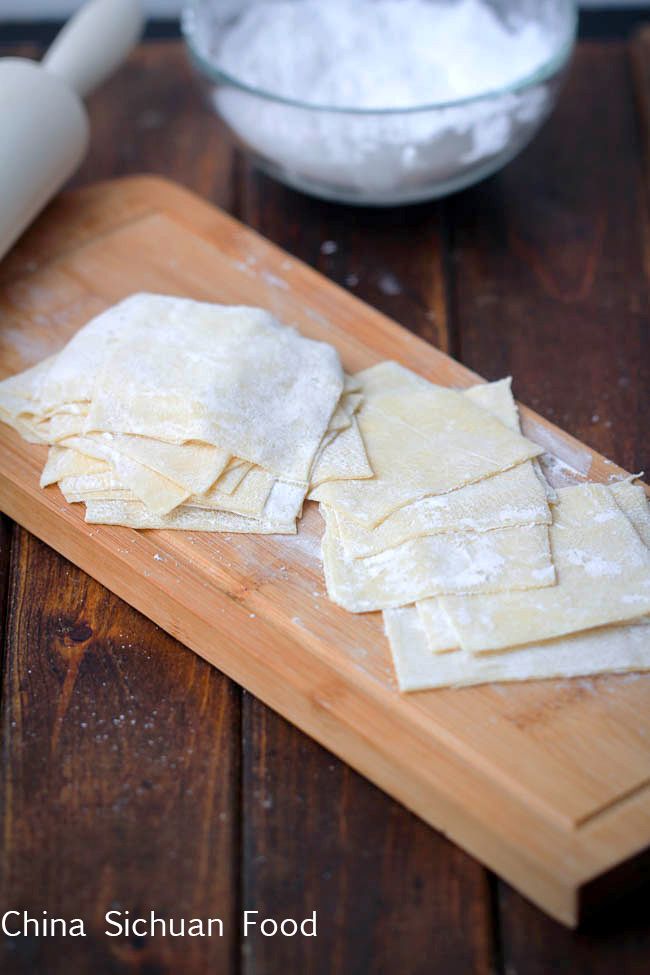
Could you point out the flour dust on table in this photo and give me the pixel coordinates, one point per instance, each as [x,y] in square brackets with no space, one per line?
[168,413]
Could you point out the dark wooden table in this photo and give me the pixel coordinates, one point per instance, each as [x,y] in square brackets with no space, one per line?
[135,776]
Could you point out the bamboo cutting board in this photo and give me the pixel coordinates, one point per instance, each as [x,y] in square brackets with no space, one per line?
[546,783]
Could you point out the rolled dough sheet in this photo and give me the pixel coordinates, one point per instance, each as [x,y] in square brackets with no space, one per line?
[248,498]
[59,427]
[613,649]
[632,499]
[348,405]
[603,577]
[515,497]
[231,377]
[20,394]
[233,475]
[343,458]
[158,493]
[194,466]
[421,440]
[136,515]
[64,462]
[440,634]
[74,372]
[470,562]
[77,497]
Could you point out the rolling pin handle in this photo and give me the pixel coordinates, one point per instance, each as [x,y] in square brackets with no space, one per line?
[94,42]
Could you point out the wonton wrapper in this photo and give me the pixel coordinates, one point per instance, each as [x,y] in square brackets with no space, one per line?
[231,377]
[343,458]
[65,462]
[441,636]
[603,577]
[514,497]
[421,440]
[612,649]
[466,562]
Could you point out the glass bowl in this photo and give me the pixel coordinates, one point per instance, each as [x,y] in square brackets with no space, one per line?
[383,157]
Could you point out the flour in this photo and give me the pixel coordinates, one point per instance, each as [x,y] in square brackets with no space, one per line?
[377,55]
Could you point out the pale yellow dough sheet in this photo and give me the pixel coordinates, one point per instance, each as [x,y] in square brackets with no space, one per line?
[514,497]
[632,499]
[20,394]
[603,573]
[64,462]
[130,514]
[613,649]
[192,465]
[247,499]
[421,440]
[158,493]
[440,634]
[343,458]
[233,475]
[429,566]
[231,377]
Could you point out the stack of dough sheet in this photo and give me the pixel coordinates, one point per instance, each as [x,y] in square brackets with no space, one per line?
[456,504]
[169,413]
[483,572]
[595,620]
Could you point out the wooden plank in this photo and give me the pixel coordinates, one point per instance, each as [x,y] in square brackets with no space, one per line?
[394,259]
[545,267]
[390,894]
[317,835]
[639,58]
[618,941]
[153,93]
[171,130]
[550,282]
[538,785]
[118,778]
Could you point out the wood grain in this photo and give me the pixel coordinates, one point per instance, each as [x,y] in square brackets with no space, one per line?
[551,285]
[181,140]
[315,833]
[548,259]
[120,795]
[524,749]
[391,895]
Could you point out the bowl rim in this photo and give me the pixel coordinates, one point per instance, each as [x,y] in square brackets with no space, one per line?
[542,73]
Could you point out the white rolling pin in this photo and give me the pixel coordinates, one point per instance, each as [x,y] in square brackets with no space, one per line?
[43,122]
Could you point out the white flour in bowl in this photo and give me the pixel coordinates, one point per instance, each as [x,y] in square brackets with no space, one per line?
[378,55]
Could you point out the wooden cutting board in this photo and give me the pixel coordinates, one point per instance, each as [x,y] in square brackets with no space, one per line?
[546,783]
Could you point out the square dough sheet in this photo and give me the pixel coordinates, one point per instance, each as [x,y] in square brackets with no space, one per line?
[615,649]
[603,577]
[129,514]
[514,497]
[342,458]
[428,566]
[421,440]
[439,632]
[158,493]
[65,462]
[632,499]
[249,498]
[231,377]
